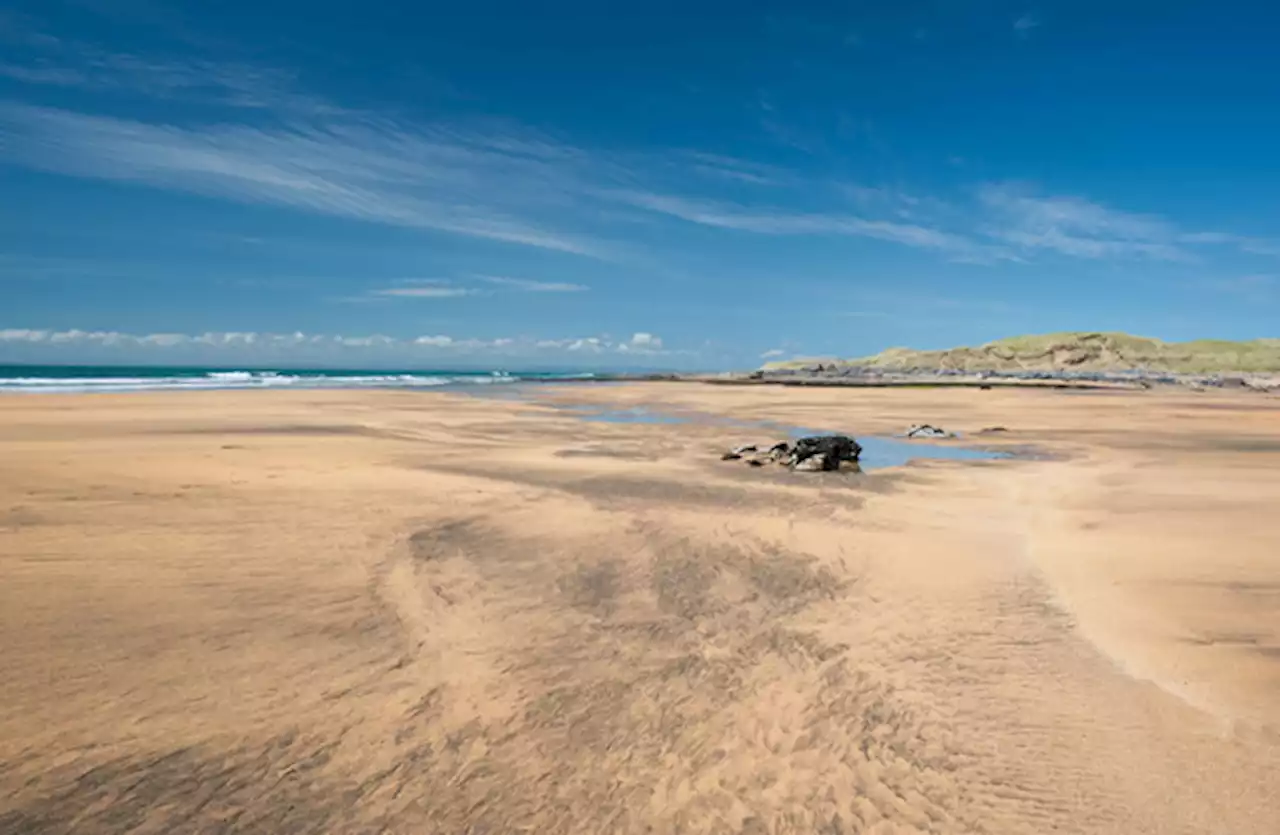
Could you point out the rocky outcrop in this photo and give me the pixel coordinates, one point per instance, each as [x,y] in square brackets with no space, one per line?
[830,450]
[818,453]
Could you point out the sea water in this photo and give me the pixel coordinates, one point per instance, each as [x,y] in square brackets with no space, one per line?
[106,378]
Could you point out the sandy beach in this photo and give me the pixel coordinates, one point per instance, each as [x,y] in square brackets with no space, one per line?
[339,611]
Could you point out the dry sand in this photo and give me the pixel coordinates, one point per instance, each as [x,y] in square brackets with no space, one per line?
[294,612]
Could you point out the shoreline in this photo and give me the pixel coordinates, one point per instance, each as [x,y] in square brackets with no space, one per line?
[1084,381]
[84,379]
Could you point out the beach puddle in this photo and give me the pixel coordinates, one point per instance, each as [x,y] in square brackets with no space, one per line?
[877,452]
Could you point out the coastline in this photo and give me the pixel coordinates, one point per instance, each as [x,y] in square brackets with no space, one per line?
[852,377]
[29,379]
[443,603]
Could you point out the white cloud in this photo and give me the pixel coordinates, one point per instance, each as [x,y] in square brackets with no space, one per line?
[646,340]
[103,337]
[441,292]
[238,338]
[441,289]
[1025,24]
[530,286]
[640,343]
[365,341]
[165,340]
[23,335]
[772,353]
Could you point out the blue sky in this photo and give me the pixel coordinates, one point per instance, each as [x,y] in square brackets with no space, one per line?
[699,184]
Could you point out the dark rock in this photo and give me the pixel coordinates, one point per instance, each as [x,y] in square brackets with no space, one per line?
[755,462]
[989,430]
[730,456]
[828,450]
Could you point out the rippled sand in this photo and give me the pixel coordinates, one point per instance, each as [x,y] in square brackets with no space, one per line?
[274,612]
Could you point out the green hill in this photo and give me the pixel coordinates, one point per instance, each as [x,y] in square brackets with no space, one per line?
[1081,352]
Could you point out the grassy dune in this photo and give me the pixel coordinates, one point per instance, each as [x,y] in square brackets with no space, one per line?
[1080,352]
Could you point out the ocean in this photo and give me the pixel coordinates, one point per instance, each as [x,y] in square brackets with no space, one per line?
[114,378]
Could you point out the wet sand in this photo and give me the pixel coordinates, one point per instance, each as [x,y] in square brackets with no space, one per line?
[273,612]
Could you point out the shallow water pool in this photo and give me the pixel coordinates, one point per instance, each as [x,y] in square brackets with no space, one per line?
[877,452]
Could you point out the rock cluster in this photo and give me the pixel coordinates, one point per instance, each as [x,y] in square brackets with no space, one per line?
[924,430]
[819,453]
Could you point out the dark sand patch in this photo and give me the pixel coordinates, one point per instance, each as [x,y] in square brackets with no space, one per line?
[608,452]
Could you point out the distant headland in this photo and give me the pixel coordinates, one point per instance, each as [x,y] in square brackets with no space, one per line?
[1074,360]
[1080,351]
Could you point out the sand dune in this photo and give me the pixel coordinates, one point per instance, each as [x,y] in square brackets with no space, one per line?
[359,612]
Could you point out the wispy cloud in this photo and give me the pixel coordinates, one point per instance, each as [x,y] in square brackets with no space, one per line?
[366,170]
[1010,222]
[59,76]
[425,292]
[776,222]
[40,267]
[495,181]
[720,166]
[773,353]
[1253,246]
[530,286]
[1025,24]
[61,62]
[1077,227]
[865,314]
[436,288]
